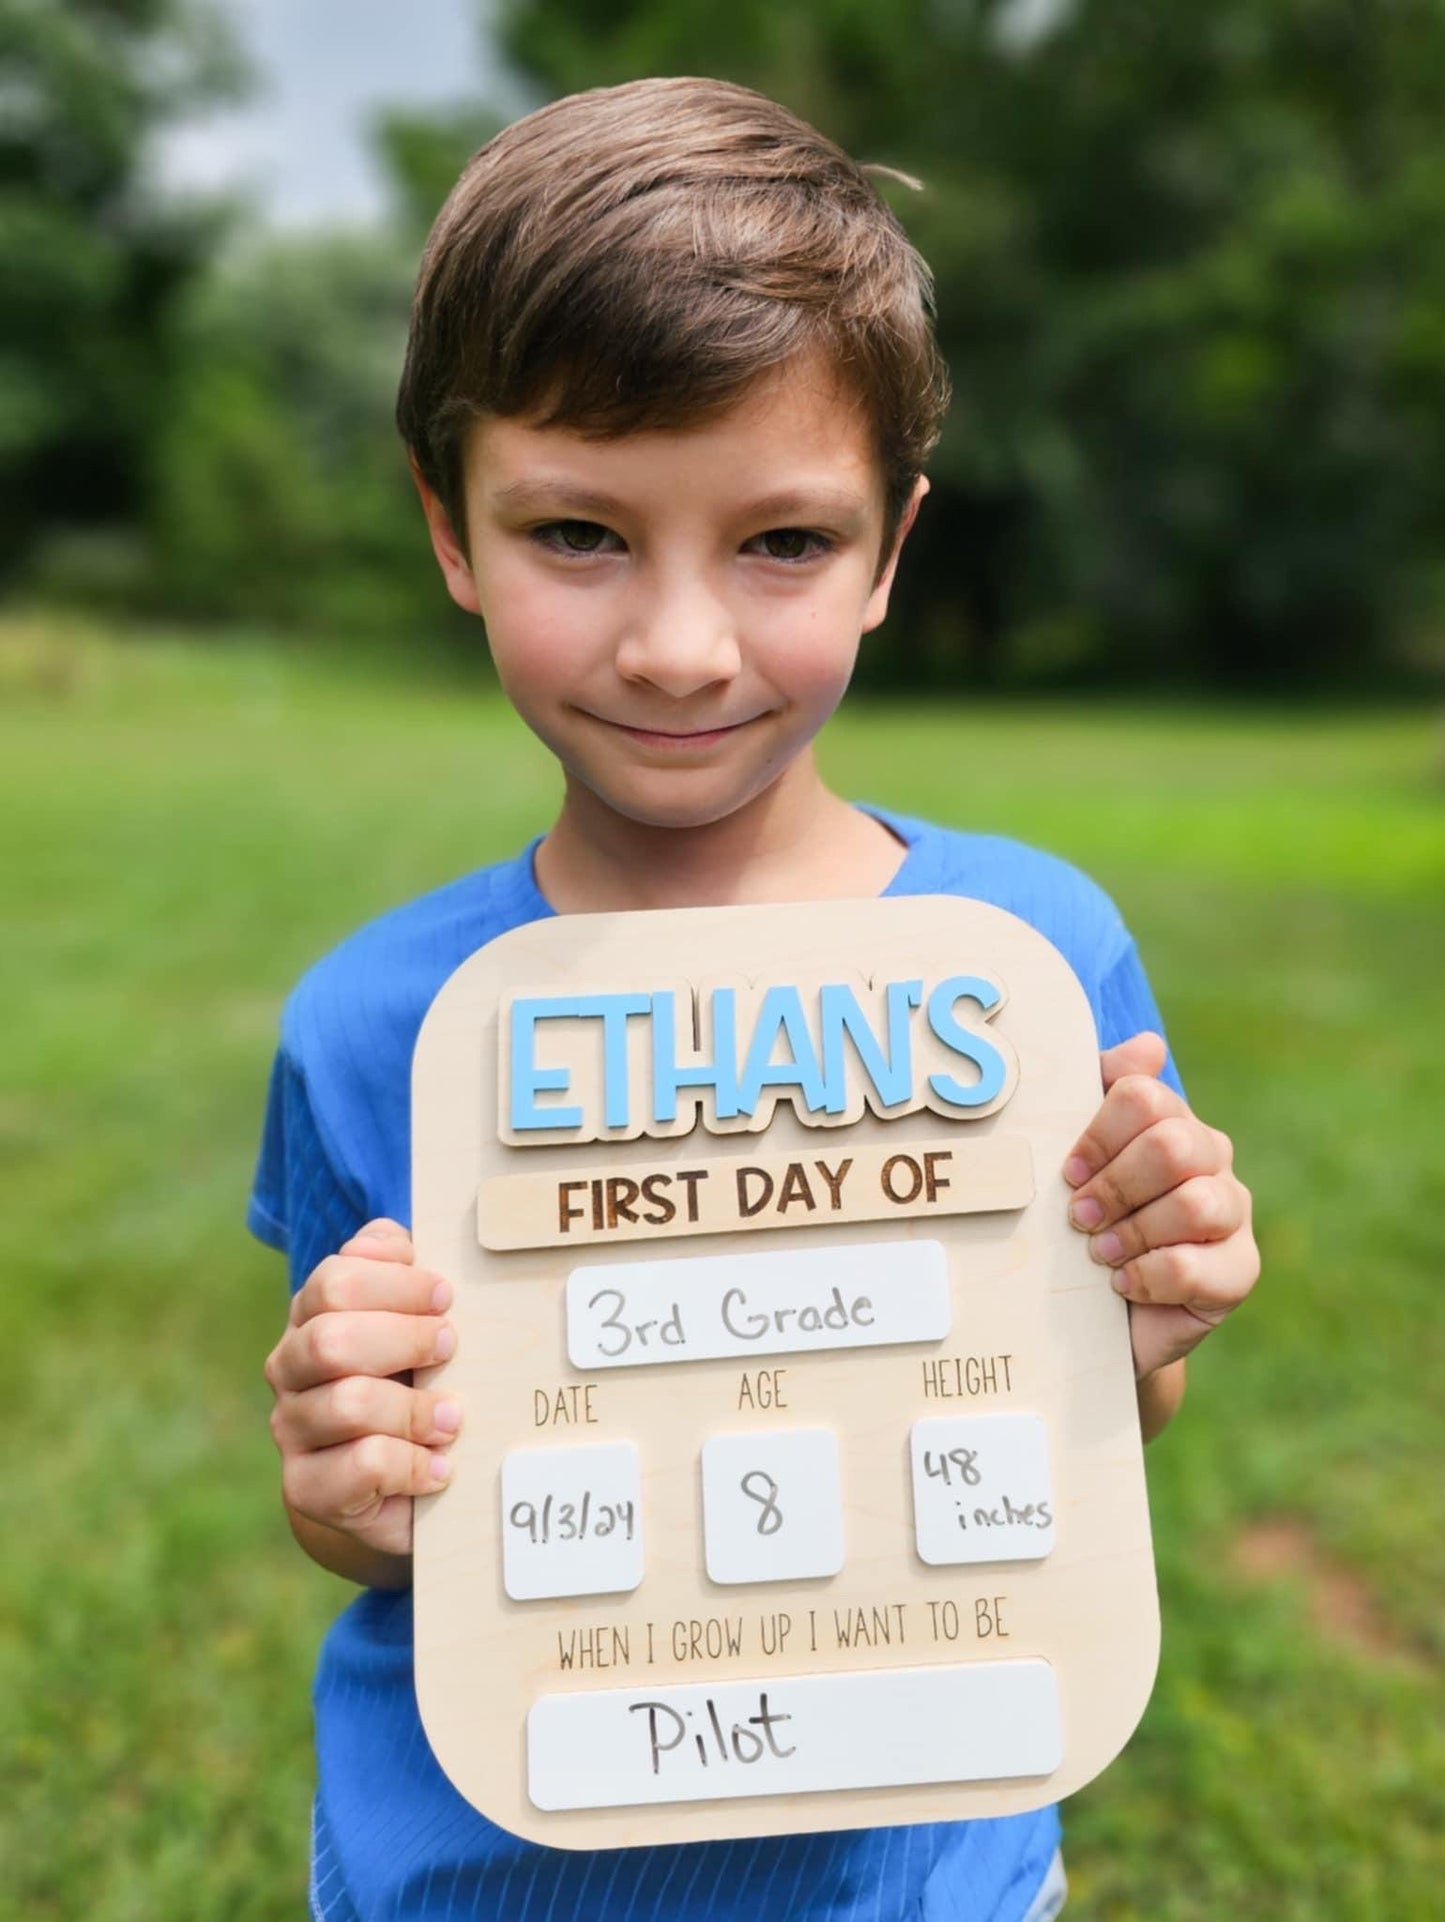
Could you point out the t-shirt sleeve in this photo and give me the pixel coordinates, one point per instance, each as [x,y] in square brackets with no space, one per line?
[300,1203]
[1127,1007]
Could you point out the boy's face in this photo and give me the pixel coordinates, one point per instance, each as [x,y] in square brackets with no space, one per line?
[676,614]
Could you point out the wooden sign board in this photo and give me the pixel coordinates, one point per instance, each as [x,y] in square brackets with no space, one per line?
[800,1485]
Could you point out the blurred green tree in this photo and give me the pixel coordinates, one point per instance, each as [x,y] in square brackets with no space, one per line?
[1191,283]
[92,266]
[423,152]
[281,489]
[282,492]
[1191,280]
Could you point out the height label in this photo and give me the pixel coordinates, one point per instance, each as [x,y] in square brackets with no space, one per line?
[981,1488]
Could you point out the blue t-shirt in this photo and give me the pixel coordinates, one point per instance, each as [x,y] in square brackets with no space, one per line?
[392,1837]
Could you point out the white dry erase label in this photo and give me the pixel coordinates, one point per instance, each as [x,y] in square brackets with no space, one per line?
[981,1488]
[844,1295]
[571,1520]
[772,1505]
[793,1735]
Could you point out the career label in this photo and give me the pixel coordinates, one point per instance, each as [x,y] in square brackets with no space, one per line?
[772,1505]
[630,1315]
[981,1488]
[708,1741]
[571,1520]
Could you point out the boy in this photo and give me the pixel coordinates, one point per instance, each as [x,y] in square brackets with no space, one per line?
[668,395]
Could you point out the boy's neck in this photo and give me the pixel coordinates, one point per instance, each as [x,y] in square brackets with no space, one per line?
[797,841]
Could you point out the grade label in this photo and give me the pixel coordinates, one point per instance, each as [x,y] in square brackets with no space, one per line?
[630,1314]
[980,1721]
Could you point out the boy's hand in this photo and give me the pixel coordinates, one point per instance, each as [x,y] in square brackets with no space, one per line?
[1156,1193]
[357,1441]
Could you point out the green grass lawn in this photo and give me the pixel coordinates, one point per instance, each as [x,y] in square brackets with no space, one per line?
[182,831]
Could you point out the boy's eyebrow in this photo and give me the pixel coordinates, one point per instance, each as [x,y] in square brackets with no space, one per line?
[803,503]
[809,503]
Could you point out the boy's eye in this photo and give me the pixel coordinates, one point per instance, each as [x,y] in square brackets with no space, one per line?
[792,543]
[573,537]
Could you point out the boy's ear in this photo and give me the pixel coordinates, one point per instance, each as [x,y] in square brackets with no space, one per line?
[877,606]
[451,556]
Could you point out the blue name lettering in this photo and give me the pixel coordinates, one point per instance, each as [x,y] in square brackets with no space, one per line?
[827,1051]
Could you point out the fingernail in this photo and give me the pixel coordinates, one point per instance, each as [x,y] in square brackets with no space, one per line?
[441,1468]
[445,1345]
[1120,1281]
[441,1297]
[447,1416]
[1076,1169]
[1107,1248]
[1085,1212]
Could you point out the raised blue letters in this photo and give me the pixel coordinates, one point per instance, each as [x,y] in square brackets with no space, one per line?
[839,1014]
[719,1074]
[528,1080]
[973,1046]
[781,1013]
[612,1010]
[827,1050]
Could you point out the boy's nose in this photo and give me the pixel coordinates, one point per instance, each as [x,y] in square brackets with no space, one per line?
[681,644]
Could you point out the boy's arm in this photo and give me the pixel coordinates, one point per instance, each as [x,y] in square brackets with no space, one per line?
[1159,1396]
[1156,1192]
[342,1554]
[357,1441]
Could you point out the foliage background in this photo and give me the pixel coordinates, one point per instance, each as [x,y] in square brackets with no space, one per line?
[1192,286]
[1190,264]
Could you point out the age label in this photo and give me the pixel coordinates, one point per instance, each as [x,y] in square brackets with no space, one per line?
[981,1488]
[772,1505]
[629,1314]
[979,1721]
[571,1521]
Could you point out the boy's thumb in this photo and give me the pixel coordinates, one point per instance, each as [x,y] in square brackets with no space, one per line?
[1140,1054]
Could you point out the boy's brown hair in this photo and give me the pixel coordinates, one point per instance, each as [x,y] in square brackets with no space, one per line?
[636,256]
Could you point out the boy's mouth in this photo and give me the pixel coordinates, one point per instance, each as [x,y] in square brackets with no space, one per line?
[675,738]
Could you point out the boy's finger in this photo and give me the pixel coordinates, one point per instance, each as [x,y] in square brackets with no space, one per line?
[1143,1053]
[1148,1165]
[1162,1335]
[344,1487]
[380,1240]
[1134,1102]
[1205,1208]
[1209,1279]
[357,1405]
[370,1343]
[345,1283]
